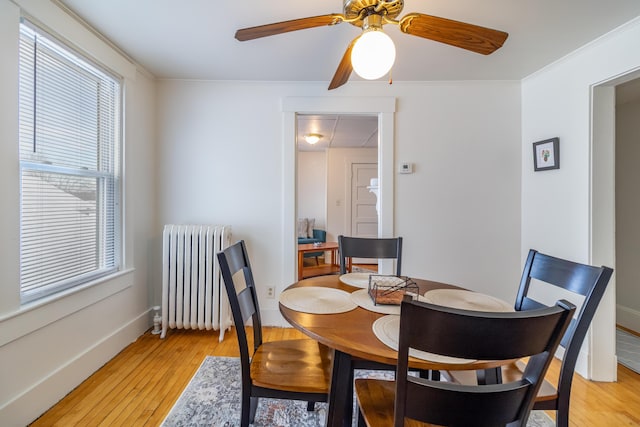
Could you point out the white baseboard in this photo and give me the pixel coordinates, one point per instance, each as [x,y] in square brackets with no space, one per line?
[273,318]
[28,406]
[628,317]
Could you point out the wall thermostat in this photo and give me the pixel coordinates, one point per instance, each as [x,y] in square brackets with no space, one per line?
[406,167]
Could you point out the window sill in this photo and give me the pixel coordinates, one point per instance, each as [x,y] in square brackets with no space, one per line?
[38,314]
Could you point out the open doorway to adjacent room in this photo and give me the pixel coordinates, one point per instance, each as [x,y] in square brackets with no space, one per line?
[337,175]
[383,109]
[627,232]
[615,207]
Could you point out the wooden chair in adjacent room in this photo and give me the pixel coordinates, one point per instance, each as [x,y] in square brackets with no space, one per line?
[360,247]
[288,369]
[415,401]
[583,285]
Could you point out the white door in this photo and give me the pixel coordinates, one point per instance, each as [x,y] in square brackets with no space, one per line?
[364,217]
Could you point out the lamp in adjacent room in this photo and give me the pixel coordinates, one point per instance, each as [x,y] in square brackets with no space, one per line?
[312,138]
[373,53]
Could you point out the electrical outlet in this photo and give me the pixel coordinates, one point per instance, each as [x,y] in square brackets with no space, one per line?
[271,292]
[406,167]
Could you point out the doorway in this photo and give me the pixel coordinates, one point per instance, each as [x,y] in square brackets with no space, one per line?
[607,179]
[627,204]
[384,109]
[337,156]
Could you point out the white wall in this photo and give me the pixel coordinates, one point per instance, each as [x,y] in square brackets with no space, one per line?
[312,187]
[627,214]
[9,166]
[47,348]
[556,205]
[459,212]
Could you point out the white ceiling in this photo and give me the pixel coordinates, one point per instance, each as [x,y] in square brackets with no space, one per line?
[194,39]
[338,131]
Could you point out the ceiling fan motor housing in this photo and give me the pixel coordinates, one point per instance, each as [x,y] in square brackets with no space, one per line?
[353,8]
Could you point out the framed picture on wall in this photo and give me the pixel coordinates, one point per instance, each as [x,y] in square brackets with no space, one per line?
[546,154]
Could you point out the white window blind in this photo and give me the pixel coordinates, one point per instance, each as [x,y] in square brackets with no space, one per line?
[70,128]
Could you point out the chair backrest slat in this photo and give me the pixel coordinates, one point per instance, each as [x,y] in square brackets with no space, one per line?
[574,277]
[246,304]
[379,248]
[498,407]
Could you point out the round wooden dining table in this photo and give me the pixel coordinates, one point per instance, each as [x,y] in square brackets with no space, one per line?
[350,334]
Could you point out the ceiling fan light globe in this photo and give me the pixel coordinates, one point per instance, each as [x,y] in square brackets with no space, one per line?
[373,54]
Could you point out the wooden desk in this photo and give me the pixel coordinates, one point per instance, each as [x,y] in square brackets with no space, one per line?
[323,247]
[351,336]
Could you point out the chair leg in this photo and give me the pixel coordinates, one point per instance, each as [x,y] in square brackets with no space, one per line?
[317,261]
[562,415]
[245,411]
[350,391]
[311,406]
[361,422]
[252,410]
[489,376]
[429,374]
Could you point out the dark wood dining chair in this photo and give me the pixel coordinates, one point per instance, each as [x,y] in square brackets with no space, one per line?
[374,248]
[361,247]
[411,400]
[585,286]
[288,369]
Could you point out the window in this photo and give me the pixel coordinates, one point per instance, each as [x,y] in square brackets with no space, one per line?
[70,131]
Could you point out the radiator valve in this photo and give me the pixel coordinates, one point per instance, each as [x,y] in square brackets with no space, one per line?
[157,321]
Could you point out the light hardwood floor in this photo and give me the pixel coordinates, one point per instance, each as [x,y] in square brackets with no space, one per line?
[140,385]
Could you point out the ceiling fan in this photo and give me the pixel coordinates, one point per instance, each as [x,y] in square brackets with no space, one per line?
[371,15]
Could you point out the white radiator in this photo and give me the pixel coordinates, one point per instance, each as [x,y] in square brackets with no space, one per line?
[193,294]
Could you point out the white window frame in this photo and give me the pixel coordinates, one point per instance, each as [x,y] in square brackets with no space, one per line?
[107,249]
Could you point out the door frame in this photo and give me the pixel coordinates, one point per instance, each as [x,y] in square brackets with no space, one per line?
[601,365]
[384,108]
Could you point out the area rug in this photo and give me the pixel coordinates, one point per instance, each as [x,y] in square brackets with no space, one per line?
[628,350]
[212,398]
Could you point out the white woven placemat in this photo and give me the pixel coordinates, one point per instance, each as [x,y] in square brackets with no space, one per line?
[362,298]
[467,300]
[317,300]
[360,280]
[387,330]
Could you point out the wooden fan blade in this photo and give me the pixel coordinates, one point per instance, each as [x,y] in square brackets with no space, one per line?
[460,34]
[344,68]
[286,26]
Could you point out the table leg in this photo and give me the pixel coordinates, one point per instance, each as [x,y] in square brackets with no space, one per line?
[490,376]
[340,405]
[300,264]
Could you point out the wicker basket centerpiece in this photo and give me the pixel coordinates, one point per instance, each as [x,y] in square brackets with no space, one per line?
[389,289]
